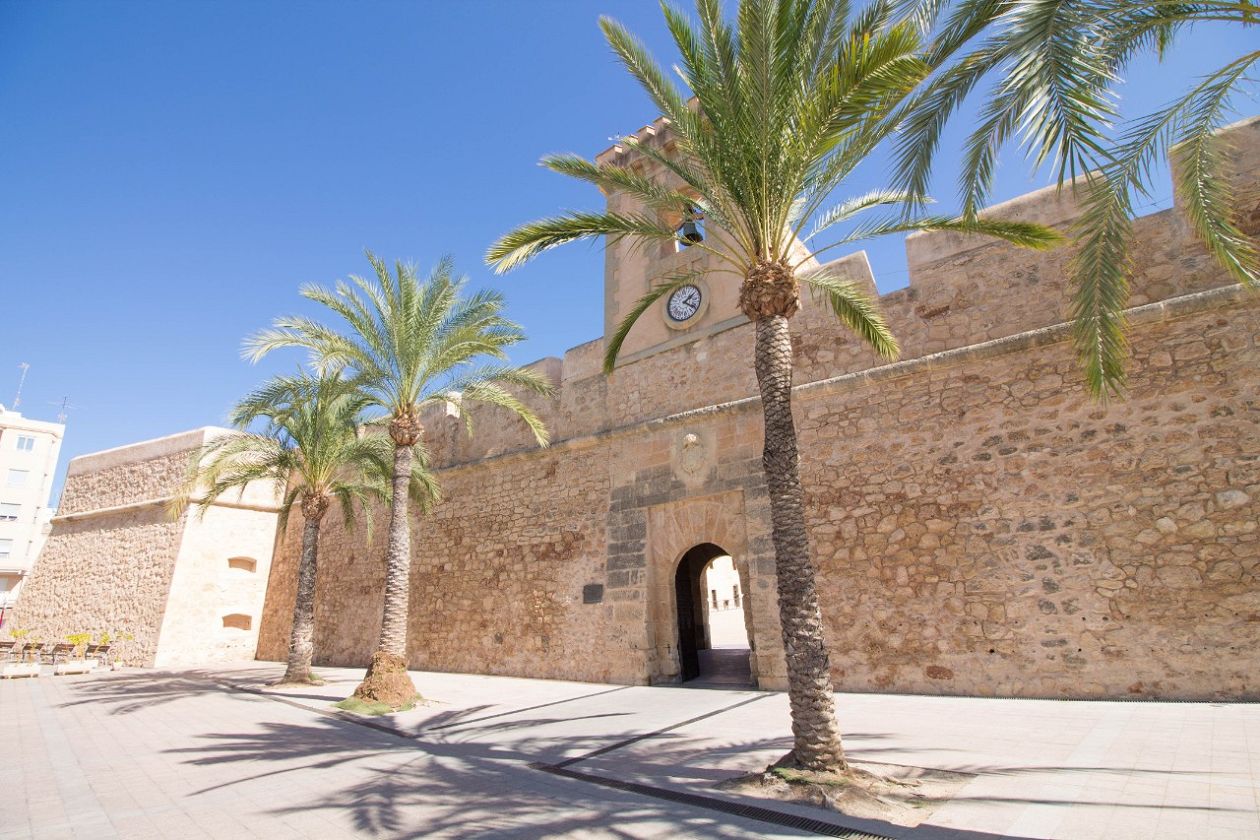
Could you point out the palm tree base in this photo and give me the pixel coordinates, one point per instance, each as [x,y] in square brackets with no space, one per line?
[820,773]
[387,681]
[307,677]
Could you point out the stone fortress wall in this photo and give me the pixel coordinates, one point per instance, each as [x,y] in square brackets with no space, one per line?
[979,525]
[189,590]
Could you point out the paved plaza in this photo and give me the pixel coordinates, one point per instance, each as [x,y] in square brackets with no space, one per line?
[202,753]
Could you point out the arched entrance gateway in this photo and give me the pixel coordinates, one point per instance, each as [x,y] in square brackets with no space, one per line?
[712,605]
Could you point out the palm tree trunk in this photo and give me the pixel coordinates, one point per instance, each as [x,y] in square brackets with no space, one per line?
[387,680]
[398,560]
[814,727]
[302,639]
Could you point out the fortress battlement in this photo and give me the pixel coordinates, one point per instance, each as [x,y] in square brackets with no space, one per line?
[963,290]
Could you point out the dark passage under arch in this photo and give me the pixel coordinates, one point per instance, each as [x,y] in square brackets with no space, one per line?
[697,658]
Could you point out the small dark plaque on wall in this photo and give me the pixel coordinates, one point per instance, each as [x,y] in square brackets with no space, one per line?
[593,593]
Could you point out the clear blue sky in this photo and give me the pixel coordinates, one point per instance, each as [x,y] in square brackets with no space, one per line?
[170,173]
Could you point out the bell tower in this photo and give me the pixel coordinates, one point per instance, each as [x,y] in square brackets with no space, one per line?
[708,304]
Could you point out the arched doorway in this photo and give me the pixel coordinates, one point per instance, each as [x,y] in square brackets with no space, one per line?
[713,646]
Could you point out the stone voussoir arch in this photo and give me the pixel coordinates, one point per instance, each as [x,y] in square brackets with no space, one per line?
[673,529]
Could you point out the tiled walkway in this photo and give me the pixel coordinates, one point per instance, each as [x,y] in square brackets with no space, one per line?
[147,754]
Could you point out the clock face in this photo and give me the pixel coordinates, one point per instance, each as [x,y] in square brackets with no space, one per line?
[684,303]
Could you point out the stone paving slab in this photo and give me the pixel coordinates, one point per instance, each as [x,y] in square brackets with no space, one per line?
[160,754]
[151,754]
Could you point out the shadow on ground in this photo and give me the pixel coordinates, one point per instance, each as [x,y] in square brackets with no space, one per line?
[439,780]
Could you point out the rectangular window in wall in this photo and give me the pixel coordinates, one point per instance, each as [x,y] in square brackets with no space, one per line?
[25,443]
[6,548]
[9,511]
[17,478]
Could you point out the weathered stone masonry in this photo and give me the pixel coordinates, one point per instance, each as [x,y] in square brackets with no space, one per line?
[190,590]
[979,525]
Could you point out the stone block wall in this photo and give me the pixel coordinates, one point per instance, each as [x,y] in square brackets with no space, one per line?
[497,576]
[106,574]
[981,527]
[115,561]
[215,601]
[978,525]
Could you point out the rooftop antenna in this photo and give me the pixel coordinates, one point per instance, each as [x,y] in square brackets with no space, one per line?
[66,405]
[17,399]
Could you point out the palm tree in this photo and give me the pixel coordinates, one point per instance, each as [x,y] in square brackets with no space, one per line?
[411,344]
[1058,67]
[310,448]
[786,103]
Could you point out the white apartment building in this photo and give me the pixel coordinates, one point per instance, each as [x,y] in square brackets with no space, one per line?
[28,464]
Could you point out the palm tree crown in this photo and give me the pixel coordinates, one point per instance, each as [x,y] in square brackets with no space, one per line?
[413,343]
[309,448]
[784,106]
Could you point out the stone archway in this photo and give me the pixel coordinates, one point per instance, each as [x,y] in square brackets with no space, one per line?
[711,649]
[714,525]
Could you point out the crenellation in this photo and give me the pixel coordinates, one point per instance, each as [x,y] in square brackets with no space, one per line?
[964,291]
[584,361]
[1052,206]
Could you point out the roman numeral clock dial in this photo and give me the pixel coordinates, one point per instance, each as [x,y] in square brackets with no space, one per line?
[683,303]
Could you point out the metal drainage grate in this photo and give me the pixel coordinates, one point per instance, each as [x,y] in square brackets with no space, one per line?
[712,803]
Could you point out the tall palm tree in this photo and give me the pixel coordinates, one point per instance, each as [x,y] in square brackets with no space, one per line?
[311,450]
[1057,68]
[411,344]
[786,103]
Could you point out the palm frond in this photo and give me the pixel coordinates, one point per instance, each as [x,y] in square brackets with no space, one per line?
[529,240]
[848,209]
[492,394]
[404,341]
[1209,200]
[636,59]
[1038,237]
[789,98]
[521,378]
[424,489]
[856,310]
[1100,277]
[616,178]
[618,338]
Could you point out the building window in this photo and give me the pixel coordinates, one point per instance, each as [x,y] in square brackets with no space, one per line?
[9,511]
[17,478]
[237,621]
[6,548]
[25,443]
[243,564]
